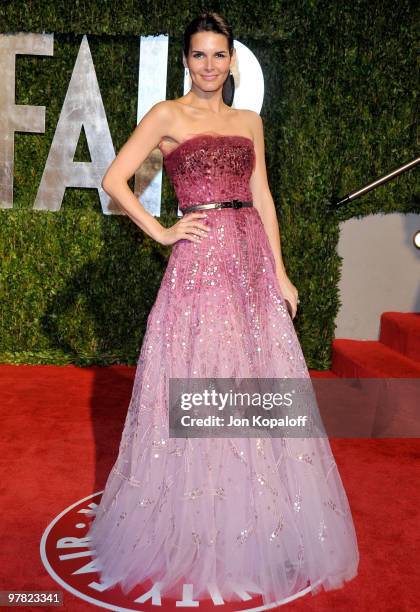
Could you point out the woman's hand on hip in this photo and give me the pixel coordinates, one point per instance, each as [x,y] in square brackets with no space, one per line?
[187,228]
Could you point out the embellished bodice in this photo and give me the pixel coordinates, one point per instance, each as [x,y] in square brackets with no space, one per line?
[211,168]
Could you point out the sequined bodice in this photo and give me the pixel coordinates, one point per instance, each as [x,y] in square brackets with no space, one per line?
[211,168]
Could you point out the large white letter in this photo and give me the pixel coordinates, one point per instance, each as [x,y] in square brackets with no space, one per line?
[152,88]
[16,117]
[82,107]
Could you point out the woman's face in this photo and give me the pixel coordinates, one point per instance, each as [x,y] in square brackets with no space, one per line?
[209,60]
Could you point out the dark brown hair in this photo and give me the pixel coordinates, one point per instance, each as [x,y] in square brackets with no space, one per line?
[212,22]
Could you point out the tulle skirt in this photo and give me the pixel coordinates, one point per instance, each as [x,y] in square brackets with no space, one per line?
[256,515]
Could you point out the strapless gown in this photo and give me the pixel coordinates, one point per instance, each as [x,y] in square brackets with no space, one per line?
[265,516]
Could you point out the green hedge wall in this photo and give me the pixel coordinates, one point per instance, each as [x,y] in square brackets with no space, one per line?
[340,109]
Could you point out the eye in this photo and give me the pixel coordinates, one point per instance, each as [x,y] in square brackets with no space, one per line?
[197,54]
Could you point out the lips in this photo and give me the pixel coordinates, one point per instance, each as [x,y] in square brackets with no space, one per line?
[210,77]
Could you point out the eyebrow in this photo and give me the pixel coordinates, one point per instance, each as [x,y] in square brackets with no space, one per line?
[221,51]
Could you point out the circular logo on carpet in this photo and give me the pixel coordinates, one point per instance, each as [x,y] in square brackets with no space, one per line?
[67,556]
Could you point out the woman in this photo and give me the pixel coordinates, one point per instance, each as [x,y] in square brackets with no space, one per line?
[228,516]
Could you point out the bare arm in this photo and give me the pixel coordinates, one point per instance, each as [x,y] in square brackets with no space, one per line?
[155,124]
[263,200]
[264,203]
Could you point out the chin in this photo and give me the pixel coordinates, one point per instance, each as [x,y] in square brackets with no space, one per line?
[210,85]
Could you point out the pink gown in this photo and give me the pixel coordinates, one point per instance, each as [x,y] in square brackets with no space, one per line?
[260,516]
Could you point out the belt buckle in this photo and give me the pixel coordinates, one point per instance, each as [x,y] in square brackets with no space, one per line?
[237,203]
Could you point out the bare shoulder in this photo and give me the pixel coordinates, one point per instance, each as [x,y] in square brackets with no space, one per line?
[253,120]
[164,110]
[157,122]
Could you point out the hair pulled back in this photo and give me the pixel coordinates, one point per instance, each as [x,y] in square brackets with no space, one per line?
[213,22]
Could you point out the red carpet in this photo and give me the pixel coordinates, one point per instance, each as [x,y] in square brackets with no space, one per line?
[401,332]
[60,431]
[395,355]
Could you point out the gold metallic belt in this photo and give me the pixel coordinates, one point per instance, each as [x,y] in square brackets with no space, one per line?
[226,204]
